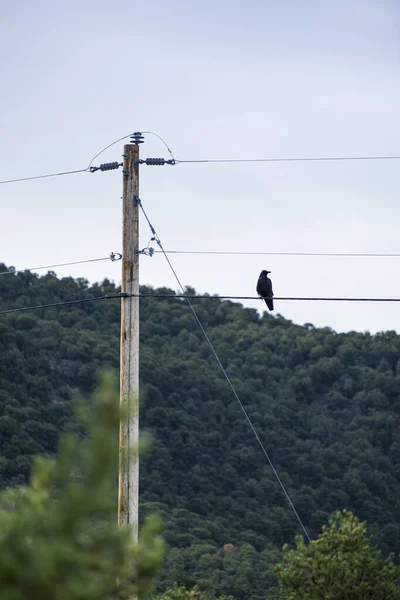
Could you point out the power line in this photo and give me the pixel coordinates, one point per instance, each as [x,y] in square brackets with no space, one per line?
[157,239]
[187,297]
[58,304]
[113,257]
[284,298]
[294,159]
[207,160]
[244,253]
[86,170]
[42,176]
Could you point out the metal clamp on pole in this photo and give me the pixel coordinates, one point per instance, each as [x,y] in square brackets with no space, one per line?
[148,251]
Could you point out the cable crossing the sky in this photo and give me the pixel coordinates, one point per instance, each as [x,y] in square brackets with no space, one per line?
[174,161]
[112,257]
[59,304]
[42,176]
[88,169]
[286,159]
[255,253]
[187,297]
[284,298]
[210,344]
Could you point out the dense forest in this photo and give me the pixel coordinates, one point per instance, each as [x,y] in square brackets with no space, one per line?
[325,405]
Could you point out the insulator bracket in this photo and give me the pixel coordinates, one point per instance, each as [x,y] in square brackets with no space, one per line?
[155,162]
[106,167]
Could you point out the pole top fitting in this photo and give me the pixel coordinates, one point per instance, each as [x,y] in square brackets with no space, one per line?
[137,138]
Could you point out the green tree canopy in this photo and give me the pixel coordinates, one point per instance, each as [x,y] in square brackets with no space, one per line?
[178,592]
[341,564]
[59,537]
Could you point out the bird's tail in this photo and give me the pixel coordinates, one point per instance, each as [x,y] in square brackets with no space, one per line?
[270,303]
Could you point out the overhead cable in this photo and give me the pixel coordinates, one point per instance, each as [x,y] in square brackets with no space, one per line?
[59,304]
[232,387]
[88,169]
[244,253]
[188,297]
[42,176]
[283,159]
[113,257]
[174,161]
[284,298]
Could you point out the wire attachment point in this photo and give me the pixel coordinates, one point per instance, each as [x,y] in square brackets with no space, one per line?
[156,162]
[106,167]
[115,256]
[148,251]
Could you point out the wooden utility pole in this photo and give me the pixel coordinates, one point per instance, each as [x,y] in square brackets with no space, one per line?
[128,492]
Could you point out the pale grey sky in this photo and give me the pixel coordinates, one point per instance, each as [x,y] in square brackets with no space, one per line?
[217,80]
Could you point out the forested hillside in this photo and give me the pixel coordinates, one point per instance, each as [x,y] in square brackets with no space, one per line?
[325,405]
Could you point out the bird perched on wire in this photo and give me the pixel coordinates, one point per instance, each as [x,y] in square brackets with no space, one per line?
[264,289]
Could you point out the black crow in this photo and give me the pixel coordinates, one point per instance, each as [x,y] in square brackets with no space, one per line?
[264,289]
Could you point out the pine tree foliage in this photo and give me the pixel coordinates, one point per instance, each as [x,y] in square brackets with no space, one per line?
[59,537]
[341,564]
